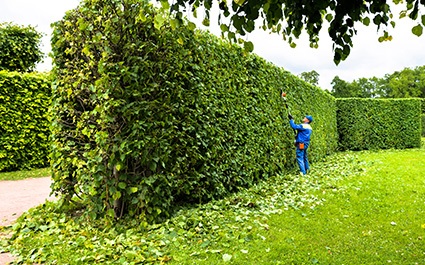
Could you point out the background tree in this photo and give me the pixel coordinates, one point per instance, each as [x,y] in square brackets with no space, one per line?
[370,87]
[342,89]
[289,18]
[19,48]
[311,77]
[400,84]
[382,90]
[407,83]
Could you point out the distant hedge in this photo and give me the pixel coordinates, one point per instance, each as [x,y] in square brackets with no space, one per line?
[24,120]
[146,116]
[378,124]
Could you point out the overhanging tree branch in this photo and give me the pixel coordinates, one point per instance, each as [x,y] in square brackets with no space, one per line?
[290,18]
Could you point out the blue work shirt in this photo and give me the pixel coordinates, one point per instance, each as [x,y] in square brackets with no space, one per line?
[304,131]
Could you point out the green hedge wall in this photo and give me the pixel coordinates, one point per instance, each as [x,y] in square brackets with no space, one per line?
[423,125]
[378,124]
[24,119]
[146,117]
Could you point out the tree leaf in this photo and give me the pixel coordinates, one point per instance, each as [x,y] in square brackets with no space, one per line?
[152,166]
[206,22]
[191,26]
[248,46]
[159,21]
[417,30]
[165,5]
[133,189]
[224,28]
[116,195]
[122,185]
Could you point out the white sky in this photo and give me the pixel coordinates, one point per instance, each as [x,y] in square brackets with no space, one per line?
[368,58]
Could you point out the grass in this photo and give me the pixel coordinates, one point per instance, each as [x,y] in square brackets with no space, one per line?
[376,219]
[371,218]
[24,174]
[354,208]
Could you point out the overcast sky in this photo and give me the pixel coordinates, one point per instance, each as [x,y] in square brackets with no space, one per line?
[368,58]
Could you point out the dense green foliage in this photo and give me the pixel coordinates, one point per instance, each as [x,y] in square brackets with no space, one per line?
[147,116]
[290,18]
[378,124]
[20,48]
[24,119]
[406,83]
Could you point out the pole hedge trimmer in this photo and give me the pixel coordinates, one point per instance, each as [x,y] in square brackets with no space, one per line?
[283,94]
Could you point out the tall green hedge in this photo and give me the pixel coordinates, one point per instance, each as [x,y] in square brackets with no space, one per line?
[378,124]
[24,120]
[147,116]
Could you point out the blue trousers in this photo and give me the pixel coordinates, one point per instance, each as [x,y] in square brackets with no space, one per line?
[302,159]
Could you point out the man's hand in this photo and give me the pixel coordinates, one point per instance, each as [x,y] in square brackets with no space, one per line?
[290,117]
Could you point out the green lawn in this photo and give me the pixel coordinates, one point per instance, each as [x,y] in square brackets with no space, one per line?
[377,218]
[371,218]
[354,208]
[24,174]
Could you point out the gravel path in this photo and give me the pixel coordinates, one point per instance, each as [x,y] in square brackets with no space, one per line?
[18,196]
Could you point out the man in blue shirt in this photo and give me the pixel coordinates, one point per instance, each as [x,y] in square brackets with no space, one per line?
[302,141]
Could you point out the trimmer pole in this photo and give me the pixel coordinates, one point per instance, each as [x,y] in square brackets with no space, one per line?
[283,94]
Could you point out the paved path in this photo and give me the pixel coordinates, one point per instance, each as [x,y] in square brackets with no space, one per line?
[18,196]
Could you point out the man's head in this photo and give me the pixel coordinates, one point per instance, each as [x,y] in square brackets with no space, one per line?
[308,118]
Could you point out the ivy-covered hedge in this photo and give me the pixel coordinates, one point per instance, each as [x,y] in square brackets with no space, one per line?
[378,124]
[147,116]
[24,120]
